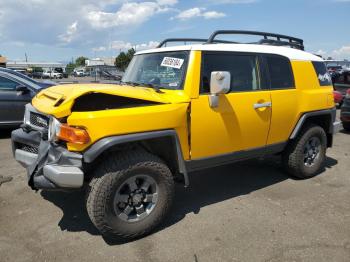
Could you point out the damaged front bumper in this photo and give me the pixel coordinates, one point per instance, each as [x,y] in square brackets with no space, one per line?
[48,165]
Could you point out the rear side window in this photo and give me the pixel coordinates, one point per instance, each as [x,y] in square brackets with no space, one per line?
[322,74]
[280,71]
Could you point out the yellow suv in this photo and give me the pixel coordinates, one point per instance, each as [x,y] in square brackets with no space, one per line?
[176,110]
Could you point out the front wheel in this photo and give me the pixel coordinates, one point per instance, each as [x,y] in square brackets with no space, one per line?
[130,195]
[304,157]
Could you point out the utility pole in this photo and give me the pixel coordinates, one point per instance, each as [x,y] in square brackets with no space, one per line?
[25,54]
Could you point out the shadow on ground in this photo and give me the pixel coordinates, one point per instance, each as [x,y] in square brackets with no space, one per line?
[206,187]
[345,132]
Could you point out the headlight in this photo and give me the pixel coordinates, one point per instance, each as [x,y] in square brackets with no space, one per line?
[54,129]
[75,135]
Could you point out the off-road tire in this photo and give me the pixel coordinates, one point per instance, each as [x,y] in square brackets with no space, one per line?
[109,175]
[293,156]
[346,126]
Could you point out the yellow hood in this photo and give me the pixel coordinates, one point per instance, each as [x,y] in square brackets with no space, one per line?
[58,100]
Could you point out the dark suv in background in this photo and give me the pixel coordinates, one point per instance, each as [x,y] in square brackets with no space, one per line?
[341,81]
[345,112]
[16,90]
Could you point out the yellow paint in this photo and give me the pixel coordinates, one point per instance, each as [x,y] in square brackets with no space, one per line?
[193,75]
[234,126]
[45,101]
[289,105]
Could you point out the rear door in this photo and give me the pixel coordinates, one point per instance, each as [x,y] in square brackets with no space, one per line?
[285,99]
[11,102]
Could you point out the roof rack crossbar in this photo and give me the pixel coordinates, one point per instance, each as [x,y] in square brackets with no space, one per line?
[202,40]
[291,41]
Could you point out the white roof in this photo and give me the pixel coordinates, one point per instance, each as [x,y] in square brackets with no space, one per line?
[291,53]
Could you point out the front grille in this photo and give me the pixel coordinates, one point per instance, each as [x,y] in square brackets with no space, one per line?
[39,120]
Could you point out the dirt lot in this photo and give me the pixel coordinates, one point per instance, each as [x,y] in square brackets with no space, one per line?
[243,212]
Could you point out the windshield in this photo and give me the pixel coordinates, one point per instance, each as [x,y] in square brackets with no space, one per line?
[163,70]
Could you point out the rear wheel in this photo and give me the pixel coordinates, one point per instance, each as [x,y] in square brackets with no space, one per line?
[304,157]
[130,195]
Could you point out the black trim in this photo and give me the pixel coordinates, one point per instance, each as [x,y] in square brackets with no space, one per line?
[106,143]
[208,162]
[331,112]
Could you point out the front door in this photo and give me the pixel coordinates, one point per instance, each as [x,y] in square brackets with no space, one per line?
[242,119]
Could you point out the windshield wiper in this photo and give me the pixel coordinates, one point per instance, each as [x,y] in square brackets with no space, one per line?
[156,88]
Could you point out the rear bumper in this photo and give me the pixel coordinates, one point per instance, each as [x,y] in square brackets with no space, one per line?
[49,166]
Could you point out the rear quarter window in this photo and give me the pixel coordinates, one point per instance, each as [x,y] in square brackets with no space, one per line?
[322,74]
[280,72]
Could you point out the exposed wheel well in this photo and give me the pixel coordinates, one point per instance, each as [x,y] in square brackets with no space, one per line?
[163,147]
[324,121]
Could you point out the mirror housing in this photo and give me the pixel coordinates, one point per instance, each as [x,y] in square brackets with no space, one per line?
[22,88]
[220,82]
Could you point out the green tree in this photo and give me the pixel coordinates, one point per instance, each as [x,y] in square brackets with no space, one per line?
[37,69]
[123,59]
[80,61]
[70,67]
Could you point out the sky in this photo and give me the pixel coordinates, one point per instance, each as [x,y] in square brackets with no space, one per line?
[61,30]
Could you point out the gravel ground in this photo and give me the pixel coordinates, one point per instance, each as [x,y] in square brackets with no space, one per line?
[249,211]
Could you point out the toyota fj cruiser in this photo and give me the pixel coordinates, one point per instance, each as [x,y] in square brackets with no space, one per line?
[176,110]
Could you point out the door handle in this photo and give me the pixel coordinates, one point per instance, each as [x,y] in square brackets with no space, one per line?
[262,105]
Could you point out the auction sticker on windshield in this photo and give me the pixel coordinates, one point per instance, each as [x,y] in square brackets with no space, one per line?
[172,62]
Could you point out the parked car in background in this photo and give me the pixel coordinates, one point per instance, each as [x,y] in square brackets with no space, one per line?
[341,81]
[338,97]
[61,71]
[42,84]
[334,68]
[16,90]
[51,74]
[79,73]
[36,75]
[345,111]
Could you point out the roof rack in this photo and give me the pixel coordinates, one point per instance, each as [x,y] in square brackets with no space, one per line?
[281,40]
[203,40]
[277,39]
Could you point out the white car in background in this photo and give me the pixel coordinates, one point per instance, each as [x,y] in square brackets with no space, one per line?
[52,74]
[79,73]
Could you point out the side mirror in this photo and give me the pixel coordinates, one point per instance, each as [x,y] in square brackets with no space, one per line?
[22,88]
[220,82]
